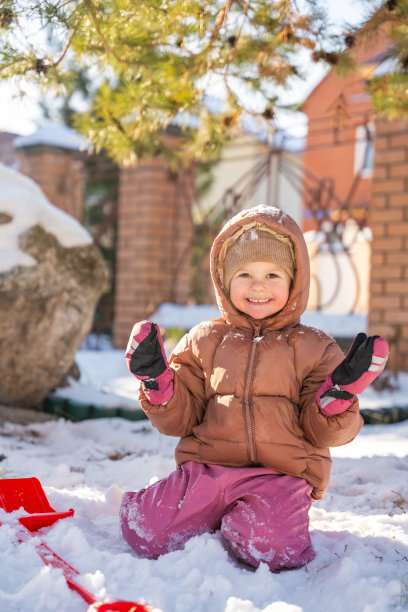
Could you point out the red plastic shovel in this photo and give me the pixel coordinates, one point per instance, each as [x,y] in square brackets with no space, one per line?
[28,493]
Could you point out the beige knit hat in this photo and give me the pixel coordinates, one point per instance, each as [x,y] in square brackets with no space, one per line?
[256,245]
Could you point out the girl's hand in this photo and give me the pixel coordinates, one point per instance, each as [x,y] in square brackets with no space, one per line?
[147,361]
[365,360]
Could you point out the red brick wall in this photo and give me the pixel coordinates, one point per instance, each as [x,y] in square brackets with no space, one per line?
[59,173]
[8,154]
[330,152]
[388,311]
[335,108]
[155,232]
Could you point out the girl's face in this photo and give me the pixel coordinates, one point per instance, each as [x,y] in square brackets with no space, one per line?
[260,289]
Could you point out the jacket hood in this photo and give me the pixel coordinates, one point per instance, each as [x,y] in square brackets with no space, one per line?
[275,221]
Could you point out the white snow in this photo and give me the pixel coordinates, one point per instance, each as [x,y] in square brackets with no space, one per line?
[345,325]
[184,316]
[54,135]
[248,213]
[22,199]
[251,235]
[359,531]
[105,380]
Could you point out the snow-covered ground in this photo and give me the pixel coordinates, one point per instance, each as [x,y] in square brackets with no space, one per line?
[359,531]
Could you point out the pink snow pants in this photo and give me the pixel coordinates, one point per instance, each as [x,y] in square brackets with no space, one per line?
[263,514]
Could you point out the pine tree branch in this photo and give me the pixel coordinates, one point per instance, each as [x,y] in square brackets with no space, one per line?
[220,20]
[67,45]
[105,42]
[238,35]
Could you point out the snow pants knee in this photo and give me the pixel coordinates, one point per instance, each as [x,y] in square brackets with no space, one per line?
[264,515]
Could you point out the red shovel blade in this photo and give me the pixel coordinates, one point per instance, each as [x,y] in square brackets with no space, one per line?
[118,606]
[28,493]
[24,493]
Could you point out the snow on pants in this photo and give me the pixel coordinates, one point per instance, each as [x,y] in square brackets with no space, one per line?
[264,515]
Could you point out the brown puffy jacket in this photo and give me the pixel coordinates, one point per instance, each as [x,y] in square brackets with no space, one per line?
[245,390]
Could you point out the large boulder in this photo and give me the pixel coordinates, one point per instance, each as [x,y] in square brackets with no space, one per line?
[51,277]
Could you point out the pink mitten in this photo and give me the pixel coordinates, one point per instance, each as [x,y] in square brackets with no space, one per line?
[147,361]
[365,360]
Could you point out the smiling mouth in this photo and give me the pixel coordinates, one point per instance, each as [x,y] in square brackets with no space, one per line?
[254,301]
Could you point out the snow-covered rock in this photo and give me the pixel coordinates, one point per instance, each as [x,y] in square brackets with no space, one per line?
[51,276]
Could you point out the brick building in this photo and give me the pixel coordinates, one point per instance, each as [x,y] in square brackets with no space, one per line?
[52,158]
[8,154]
[362,163]
[341,131]
[388,313]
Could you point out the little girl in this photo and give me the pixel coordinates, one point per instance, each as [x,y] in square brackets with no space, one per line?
[257,400]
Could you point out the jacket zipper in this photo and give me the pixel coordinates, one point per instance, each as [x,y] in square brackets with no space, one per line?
[247,405]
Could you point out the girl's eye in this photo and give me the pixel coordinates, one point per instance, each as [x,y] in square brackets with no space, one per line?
[243,275]
[272,275]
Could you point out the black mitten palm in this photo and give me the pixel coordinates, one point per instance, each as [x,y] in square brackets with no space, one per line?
[146,359]
[365,360]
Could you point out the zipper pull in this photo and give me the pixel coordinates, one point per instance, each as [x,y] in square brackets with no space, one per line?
[257,329]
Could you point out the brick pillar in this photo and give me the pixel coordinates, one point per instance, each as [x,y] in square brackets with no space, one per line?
[388,310]
[155,232]
[8,155]
[59,173]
